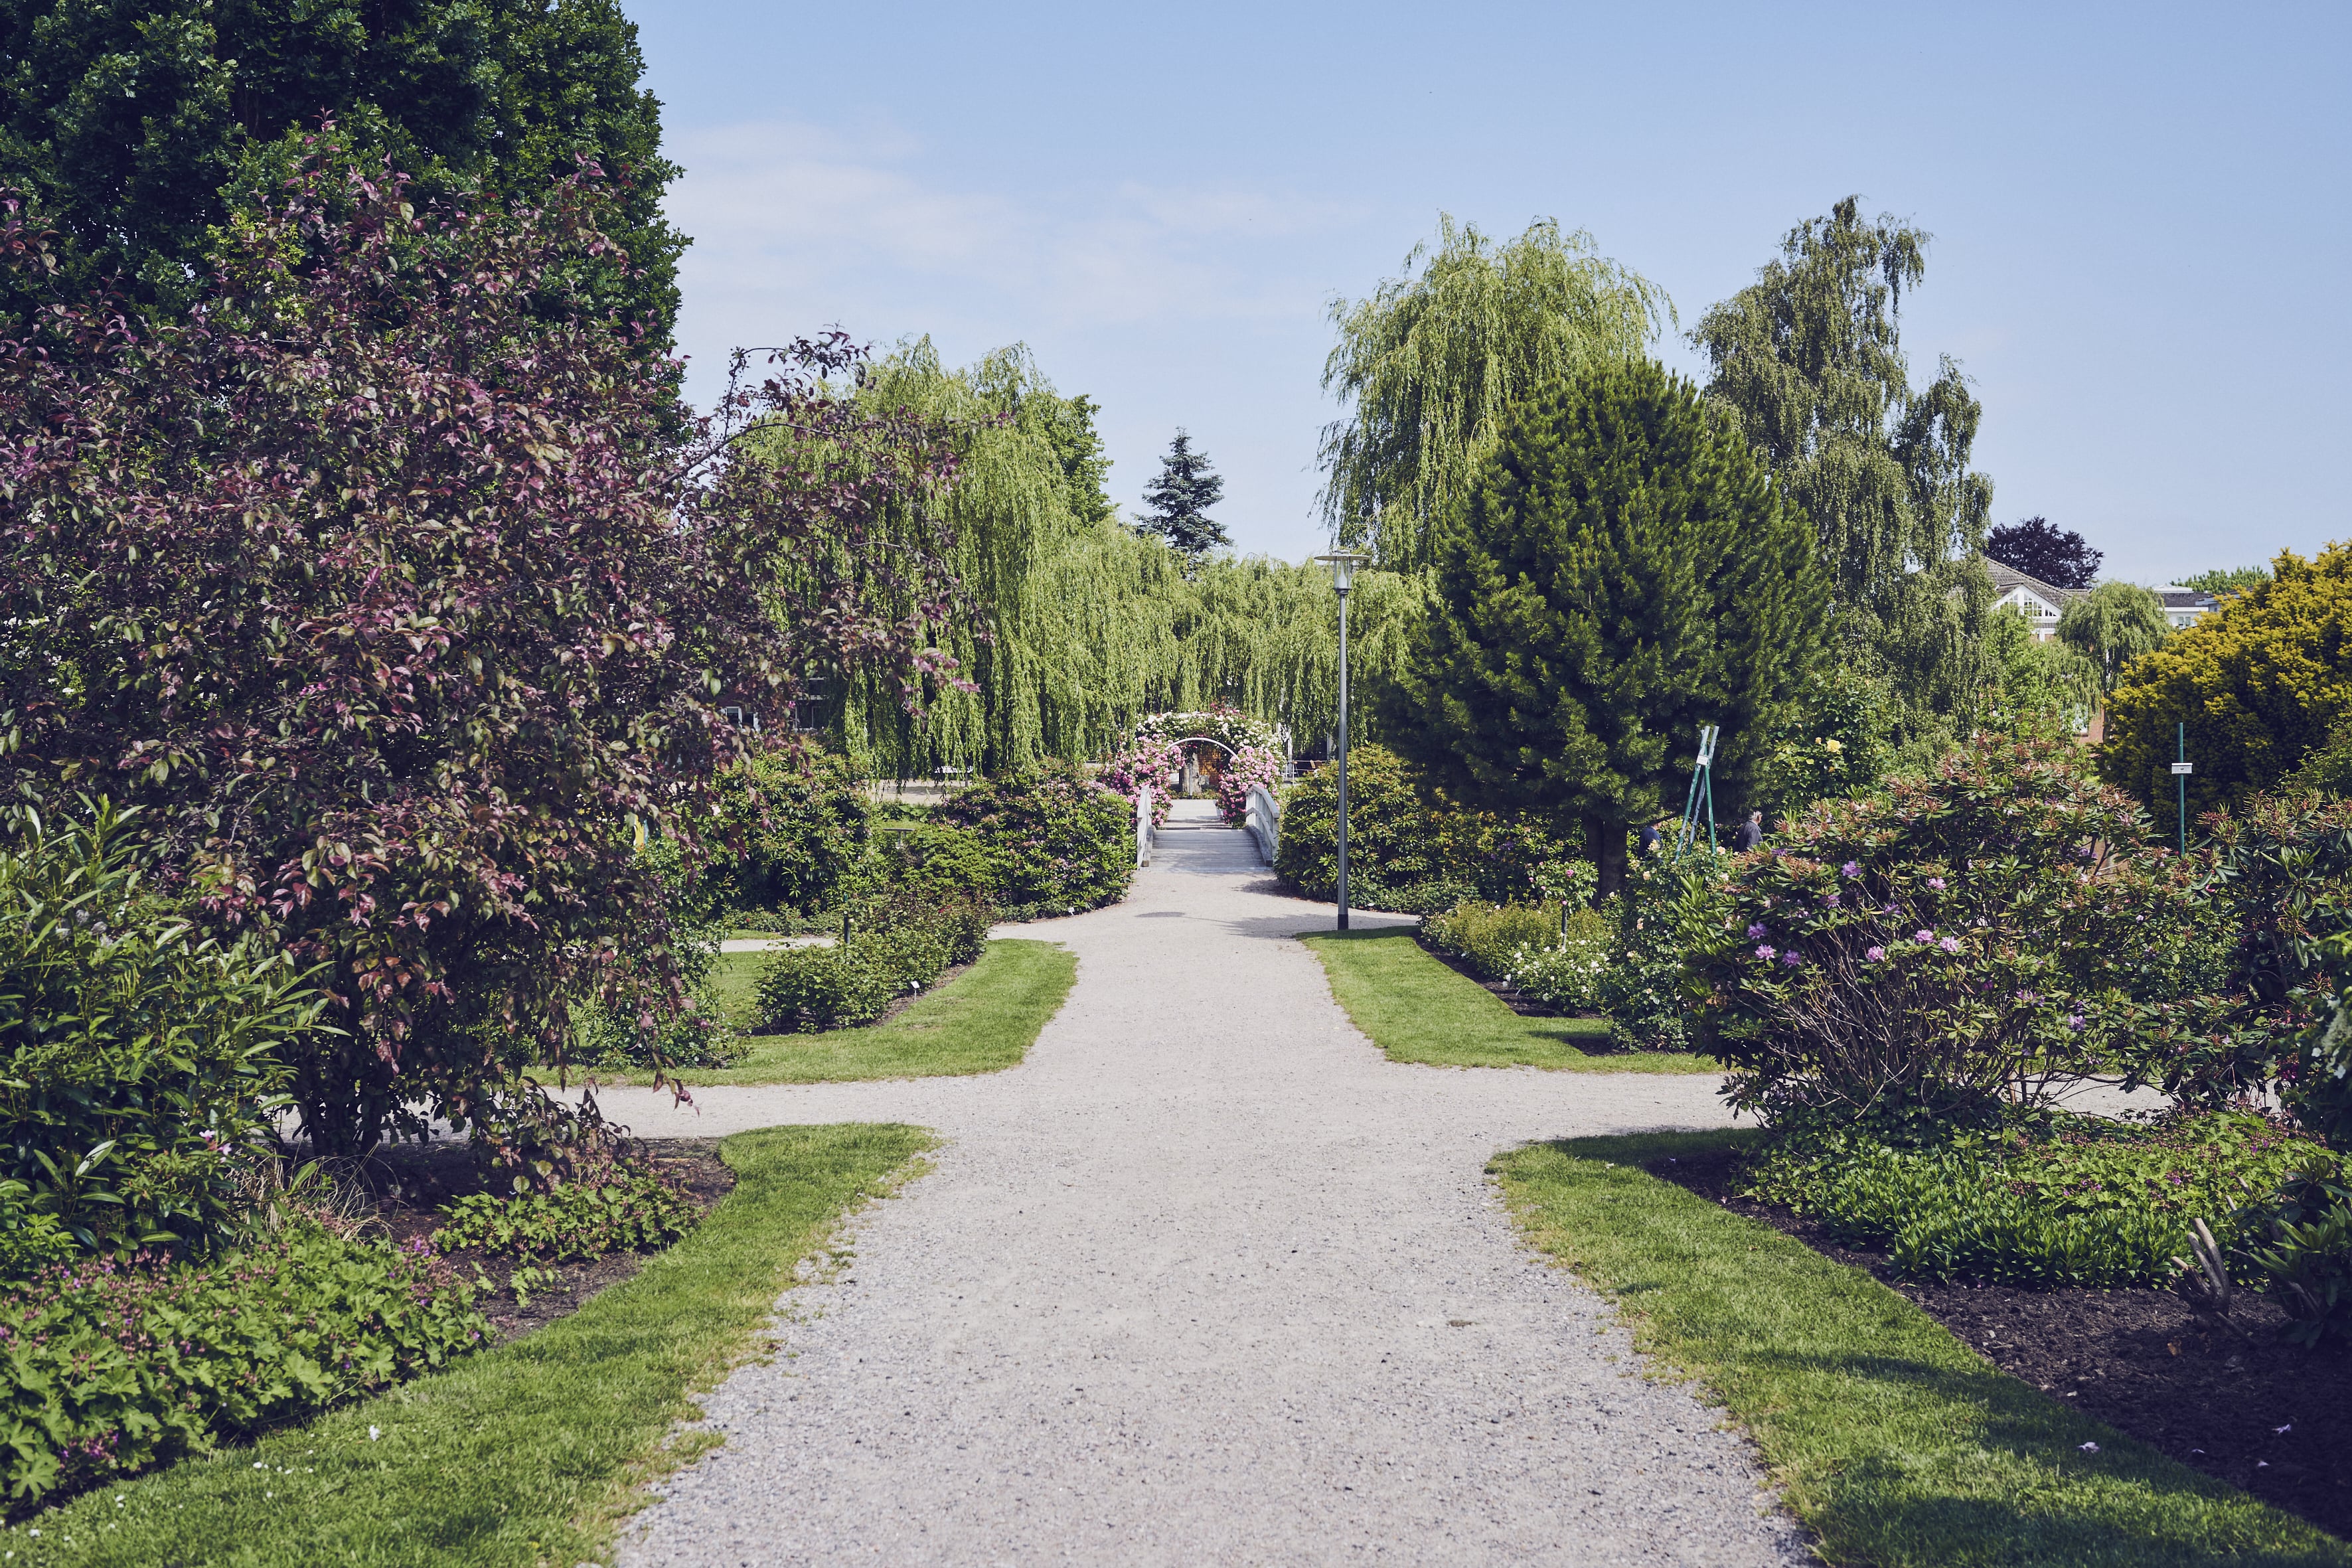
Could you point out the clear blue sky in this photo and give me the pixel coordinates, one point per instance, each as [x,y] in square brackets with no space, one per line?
[2140,212]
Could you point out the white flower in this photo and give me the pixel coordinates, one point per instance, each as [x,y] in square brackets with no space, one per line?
[373,1433]
[2090,1447]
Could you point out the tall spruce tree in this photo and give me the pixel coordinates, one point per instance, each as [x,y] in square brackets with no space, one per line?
[1178,501]
[1810,358]
[1622,573]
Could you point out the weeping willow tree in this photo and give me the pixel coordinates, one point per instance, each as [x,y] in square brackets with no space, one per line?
[1431,361]
[1809,361]
[1071,625]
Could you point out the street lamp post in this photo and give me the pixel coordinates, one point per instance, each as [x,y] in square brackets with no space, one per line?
[1343,564]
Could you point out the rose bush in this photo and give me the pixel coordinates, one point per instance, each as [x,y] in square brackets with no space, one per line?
[1252,767]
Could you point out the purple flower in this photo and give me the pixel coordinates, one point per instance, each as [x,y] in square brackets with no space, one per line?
[1851,869]
[1830,901]
[1767,953]
[1872,955]
[1923,936]
[1951,944]
[1754,931]
[2074,1021]
[1935,881]
[1791,959]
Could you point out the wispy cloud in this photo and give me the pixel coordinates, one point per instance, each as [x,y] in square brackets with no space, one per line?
[794,226]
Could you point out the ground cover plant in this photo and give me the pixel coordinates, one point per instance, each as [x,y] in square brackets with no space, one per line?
[982,1020]
[632,1210]
[1417,1010]
[1552,954]
[113,1365]
[1888,1437]
[529,1452]
[2056,1201]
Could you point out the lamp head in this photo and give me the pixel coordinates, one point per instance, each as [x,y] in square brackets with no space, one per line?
[1343,564]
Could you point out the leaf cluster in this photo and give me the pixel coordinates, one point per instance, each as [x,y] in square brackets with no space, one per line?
[632,1211]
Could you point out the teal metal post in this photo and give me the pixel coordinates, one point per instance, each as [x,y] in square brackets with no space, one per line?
[2180,777]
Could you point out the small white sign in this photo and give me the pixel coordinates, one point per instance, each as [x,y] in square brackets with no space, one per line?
[2184,767]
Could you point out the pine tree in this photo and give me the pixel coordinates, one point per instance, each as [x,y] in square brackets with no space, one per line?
[1622,573]
[1180,500]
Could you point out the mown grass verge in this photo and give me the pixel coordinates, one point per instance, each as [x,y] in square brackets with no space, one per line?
[523,1455]
[1418,1010]
[1890,1439]
[984,1020]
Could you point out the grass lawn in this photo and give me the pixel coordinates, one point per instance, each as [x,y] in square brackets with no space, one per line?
[1890,1438]
[524,1455]
[984,1021]
[1418,1010]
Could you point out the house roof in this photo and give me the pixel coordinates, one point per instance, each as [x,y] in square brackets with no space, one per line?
[2009,579]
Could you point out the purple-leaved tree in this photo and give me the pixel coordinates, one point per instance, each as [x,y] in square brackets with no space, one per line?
[402,595]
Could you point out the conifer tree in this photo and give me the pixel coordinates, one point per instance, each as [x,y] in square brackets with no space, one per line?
[1622,573]
[1180,500]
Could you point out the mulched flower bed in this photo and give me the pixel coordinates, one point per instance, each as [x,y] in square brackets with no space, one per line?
[411,1183]
[2247,1408]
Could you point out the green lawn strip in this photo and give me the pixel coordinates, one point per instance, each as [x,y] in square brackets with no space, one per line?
[522,1455]
[1418,1010]
[1891,1439]
[985,1020]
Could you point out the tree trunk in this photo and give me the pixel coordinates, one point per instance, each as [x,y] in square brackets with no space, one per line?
[1605,842]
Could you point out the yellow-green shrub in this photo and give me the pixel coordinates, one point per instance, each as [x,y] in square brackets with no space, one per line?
[2259,681]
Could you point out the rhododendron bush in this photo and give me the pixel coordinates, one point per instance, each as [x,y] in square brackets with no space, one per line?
[1976,935]
[402,596]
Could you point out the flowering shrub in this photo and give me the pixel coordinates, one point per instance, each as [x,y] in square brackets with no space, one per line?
[2066,1202]
[1252,767]
[114,1366]
[1527,947]
[1229,727]
[635,1211]
[1968,938]
[136,1060]
[1641,985]
[1062,841]
[1156,763]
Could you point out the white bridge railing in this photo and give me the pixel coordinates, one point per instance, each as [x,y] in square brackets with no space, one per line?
[1264,821]
[1143,825]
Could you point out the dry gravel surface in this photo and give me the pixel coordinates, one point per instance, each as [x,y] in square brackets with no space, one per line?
[1206,1280]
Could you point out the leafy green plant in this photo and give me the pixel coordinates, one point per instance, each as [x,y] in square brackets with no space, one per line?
[138,1060]
[1549,959]
[1410,852]
[1641,985]
[114,1366]
[2300,1247]
[2053,1201]
[635,1211]
[1061,842]
[808,989]
[803,824]
[1969,937]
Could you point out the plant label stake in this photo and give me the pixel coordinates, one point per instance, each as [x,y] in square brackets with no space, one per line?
[1702,787]
[2180,771]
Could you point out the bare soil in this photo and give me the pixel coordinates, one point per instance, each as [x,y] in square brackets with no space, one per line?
[2241,1404]
[410,1183]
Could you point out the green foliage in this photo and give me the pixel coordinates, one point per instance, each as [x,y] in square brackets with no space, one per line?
[1966,939]
[138,1062]
[1551,954]
[1407,852]
[1622,575]
[2067,1202]
[2038,691]
[1809,361]
[113,1368]
[1640,987]
[1431,362]
[1832,743]
[2112,624]
[808,989]
[2300,1248]
[804,821]
[1176,502]
[1061,842]
[2261,681]
[685,942]
[633,1211]
[939,865]
[137,131]
[2224,580]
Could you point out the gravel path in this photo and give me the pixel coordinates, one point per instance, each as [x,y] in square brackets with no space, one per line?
[1206,1280]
